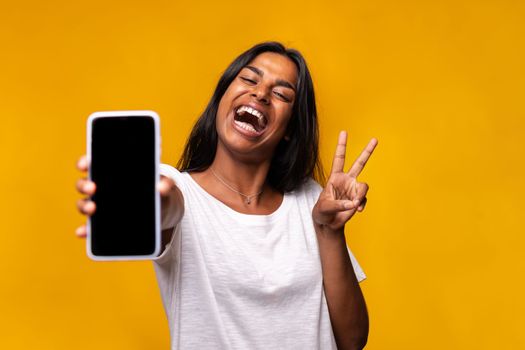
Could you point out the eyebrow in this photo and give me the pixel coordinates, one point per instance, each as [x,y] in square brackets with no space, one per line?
[279,82]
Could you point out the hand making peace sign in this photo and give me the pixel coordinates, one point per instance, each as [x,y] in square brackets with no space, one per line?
[343,194]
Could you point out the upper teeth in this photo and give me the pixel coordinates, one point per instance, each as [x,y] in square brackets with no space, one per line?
[252,111]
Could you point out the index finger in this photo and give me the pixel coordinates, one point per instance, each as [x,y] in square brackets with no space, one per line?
[360,162]
[82,163]
[338,163]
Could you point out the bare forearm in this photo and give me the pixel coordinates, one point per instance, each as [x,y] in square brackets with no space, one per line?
[345,300]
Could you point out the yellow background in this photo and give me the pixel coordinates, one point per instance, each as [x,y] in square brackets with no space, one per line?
[440,83]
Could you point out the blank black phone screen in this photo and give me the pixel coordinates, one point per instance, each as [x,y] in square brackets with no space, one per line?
[123,169]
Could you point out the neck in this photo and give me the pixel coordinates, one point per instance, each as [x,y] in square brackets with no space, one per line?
[246,174]
[248,178]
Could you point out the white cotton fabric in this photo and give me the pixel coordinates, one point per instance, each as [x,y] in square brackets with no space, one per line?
[236,281]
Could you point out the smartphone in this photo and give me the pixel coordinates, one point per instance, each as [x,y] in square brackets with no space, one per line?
[123,152]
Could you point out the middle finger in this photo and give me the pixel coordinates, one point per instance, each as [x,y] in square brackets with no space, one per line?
[85,186]
[360,162]
[86,206]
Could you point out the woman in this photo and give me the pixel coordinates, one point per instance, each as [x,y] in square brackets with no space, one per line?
[254,254]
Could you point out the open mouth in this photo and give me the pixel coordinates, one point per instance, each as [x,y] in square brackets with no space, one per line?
[250,119]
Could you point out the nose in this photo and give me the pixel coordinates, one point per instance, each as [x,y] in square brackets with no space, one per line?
[261,94]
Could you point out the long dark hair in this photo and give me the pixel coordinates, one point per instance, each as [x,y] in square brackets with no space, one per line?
[295,160]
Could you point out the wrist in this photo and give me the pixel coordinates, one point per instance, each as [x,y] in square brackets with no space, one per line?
[325,232]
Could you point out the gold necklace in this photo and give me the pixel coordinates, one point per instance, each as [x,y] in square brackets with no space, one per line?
[248,198]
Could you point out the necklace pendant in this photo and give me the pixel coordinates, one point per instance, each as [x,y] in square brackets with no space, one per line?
[248,198]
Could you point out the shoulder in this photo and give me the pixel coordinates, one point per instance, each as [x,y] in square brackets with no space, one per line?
[309,191]
[310,186]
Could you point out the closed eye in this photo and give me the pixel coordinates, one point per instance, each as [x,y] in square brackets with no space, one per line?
[281,96]
[248,80]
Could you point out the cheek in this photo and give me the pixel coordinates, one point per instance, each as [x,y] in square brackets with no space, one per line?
[226,102]
[285,114]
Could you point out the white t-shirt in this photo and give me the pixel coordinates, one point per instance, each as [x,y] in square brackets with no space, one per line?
[237,281]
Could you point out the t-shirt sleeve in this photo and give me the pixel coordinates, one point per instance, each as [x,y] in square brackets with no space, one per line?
[359,273]
[315,190]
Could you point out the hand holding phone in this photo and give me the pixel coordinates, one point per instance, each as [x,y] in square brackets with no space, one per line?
[87,188]
[123,163]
